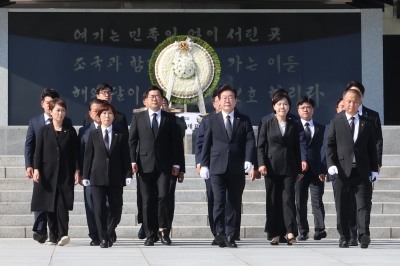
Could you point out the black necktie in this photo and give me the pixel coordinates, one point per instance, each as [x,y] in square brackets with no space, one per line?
[307,133]
[352,126]
[228,127]
[106,140]
[98,127]
[154,125]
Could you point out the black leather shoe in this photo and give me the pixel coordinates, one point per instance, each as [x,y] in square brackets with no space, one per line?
[343,243]
[40,236]
[220,240]
[236,238]
[164,237]
[141,234]
[214,243]
[303,237]
[319,235]
[353,243]
[113,237]
[282,239]
[149,242]
[364,241]
[104,243]
[110,243]
[95,243]
[229,242]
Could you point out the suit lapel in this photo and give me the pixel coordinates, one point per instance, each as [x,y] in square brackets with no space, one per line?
[360,127]
[288,129]
[114,137]
[316,130]
[346,124]
[100,137]
[63,133]
[162,122]
[221,122]
[236,122]
[41,120]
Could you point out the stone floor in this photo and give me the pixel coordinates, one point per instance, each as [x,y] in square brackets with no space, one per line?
[198,252]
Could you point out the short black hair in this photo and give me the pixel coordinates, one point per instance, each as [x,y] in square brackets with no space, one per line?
[215,92]
[226,87]
[106,106]
[103,86]
[152,88]
[96,101]
[357,85]
[353,91]
[280,90]
[306,99]
[165,98]
[57,101]
[338,101]
[52,93]
[280,96]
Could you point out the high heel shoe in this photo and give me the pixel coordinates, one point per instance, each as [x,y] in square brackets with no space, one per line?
[290,239]
[274,241]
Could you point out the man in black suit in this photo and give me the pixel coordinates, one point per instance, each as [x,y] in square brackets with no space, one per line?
[227,154]
[352,158]
[35,124]
[156,134]
[314,176]
[105,92]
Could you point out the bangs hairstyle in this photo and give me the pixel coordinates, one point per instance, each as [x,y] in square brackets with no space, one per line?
[103,86]
[57,101]
[106,107]
[226,87]
[52,93]
[280,96]
[338,101]
[152,88]
[306,99]
[357,85]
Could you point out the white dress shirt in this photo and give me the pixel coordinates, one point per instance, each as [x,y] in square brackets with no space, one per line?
[103,129]
[356,126]
[310,126]
[151,117]
[231,116]
[46,119]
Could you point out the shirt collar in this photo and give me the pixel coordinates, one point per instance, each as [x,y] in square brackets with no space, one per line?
[151,112]
[310,123]
[360,109]
[348,116]
[95,124]
[109,129]
[231,114]
[46,117]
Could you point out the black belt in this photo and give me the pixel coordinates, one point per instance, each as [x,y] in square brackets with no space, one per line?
[353,165]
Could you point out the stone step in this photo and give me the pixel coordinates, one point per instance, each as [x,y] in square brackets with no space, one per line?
[391,160]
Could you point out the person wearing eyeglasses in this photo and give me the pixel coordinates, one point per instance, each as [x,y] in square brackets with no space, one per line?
[105,92]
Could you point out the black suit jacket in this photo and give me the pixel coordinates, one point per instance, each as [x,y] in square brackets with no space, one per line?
[280,154]
[340,147]
[35,124]
[162,151]
[316,152]
[219,152]
[118,119]
[105,167]
[57,159]
[373,117]
[200,138]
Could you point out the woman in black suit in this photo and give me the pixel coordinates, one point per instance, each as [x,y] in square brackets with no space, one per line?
[279,160]
[107,169]
[56,171]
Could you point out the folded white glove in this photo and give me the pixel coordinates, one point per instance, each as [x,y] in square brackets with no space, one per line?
[86,182]
[374,177]
[128,181]
[333,170]
[204,172]
[247,167]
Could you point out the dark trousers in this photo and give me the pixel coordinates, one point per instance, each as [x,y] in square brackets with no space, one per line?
[40,223]
[59,219]
[281,209]
[150,183]
[90,216]
[316,191]
[171,200]
[210,205]
[139,201]
[228,190]
[107,219]
[343,196]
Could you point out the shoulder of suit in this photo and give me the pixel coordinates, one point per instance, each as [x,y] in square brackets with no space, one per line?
[370,111]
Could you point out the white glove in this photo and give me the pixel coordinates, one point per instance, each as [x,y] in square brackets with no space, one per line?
[333,170]
[204,172]
[247,167]
[128,181]
[86,182]
[374,177]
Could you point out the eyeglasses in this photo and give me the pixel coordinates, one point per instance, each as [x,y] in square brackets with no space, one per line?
[305,108]
[229,98]
[154,97]
[105,93]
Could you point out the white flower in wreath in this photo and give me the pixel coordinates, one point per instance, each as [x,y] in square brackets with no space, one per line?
[183,67]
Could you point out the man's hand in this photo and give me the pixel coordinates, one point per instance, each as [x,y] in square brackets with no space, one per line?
[36,175]
[254,174]
[333,170]
[299,177]
[304,166]
[29,172]
[80,180]
[379,169]
[262,169]
[247,167]
[175,171]
[128,181]
[204,172]
[374,177]
[77,177]
[86,182]
[134,168]
[198,168]
[181,177]
[321,177]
